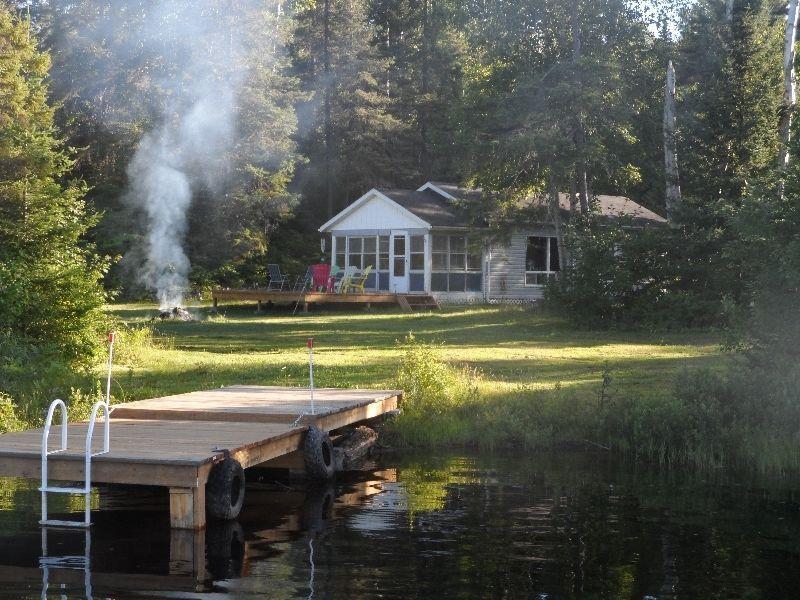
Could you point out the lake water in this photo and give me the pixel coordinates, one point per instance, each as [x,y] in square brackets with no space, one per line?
[449,526]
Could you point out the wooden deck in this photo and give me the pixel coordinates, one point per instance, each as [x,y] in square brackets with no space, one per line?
[174,441]
[407,302]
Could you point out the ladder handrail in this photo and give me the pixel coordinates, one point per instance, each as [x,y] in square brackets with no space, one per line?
[90,433]
[57,403]
[49,421]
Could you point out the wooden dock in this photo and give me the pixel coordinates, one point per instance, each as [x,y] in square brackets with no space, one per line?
[175,441]
[408,302]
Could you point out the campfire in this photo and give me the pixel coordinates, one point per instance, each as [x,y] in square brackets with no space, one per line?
[175,314]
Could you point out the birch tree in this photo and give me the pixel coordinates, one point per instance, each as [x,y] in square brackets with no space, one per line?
[789,93]
[673,190]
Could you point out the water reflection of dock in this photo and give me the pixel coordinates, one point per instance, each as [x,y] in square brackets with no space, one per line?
[180,560]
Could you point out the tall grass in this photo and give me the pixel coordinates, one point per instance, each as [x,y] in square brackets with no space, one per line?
[32,377]
[706,420]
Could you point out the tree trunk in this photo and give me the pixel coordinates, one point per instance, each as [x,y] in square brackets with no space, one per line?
[580,132]
[425,77]
[573,194]
[326,106]
[554,208]
[789,96]
[729,11]
[673,189]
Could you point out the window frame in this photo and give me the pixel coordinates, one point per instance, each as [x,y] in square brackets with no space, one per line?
[463,251]
[549,272]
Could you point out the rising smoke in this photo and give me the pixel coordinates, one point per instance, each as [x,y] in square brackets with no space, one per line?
[194,131]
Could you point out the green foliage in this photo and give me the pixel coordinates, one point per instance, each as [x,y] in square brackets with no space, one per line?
[730,77]
[438,399]
[620,275]
[9,421]
[48,275]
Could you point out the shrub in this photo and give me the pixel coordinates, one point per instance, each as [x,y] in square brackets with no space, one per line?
[9,419]
[438,399]
[674,277]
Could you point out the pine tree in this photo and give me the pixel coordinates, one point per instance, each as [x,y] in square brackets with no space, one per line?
[730,74]
[50,295]
[425,42]
[564,112]
[354,142]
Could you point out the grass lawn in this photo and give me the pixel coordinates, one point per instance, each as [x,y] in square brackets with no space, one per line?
[517,351]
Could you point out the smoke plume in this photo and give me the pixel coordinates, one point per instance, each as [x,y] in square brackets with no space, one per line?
[193,133]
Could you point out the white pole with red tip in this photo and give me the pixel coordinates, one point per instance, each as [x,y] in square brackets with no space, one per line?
[310,344]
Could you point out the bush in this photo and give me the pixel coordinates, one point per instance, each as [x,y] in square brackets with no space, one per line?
[438,399]
[665,277]
[9,419]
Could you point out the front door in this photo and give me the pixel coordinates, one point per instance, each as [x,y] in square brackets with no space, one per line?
[398,262]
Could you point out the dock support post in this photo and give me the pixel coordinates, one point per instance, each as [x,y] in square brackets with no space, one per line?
[259,308]
[187,507]
[305,307]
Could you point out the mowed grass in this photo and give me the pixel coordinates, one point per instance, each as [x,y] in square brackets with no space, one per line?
[517,351]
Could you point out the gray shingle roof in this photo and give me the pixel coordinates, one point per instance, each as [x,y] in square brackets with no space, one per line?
[429,206]
[442,212]
[610,207]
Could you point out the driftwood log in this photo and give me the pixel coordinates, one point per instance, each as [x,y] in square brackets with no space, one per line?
[353,446]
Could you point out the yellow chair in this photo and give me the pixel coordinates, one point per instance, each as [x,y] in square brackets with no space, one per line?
[356,284]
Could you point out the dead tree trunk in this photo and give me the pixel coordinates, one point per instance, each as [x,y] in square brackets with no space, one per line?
[554,208]
[580,132]
[729,11]
[673,189]
[326,106]
[789,95]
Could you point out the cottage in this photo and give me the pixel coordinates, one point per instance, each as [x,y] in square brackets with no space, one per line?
[422,241]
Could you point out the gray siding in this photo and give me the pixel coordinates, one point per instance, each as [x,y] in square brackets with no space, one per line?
[507,267]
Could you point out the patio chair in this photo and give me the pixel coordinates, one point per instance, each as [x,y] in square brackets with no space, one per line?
[347,277]
[277,280]
[357,283]
[304,282]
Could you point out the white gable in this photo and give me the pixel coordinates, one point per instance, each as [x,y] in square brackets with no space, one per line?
[435,188]
[374,210]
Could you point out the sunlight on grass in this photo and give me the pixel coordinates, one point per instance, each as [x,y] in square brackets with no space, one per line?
[510,346]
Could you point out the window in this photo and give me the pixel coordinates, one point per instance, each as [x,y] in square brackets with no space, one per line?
[456,267]
[399,253]
[416,270]
[541,259]
[417,253]
[340,247]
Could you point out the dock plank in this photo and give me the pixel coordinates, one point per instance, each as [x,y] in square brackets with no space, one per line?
[251,403]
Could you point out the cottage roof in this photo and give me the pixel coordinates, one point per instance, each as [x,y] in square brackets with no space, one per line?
[610,207]
[441,204]
[429,206]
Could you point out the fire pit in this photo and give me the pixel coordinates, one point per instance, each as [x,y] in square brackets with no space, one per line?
[176,314]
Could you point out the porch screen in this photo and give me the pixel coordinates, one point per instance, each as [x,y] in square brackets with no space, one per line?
[361,251]
[456,267]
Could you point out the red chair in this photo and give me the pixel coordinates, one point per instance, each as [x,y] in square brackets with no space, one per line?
[319,275]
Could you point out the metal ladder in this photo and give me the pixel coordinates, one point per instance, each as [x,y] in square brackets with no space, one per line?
[46,488]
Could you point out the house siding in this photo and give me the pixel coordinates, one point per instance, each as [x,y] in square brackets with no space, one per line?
[506,277]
